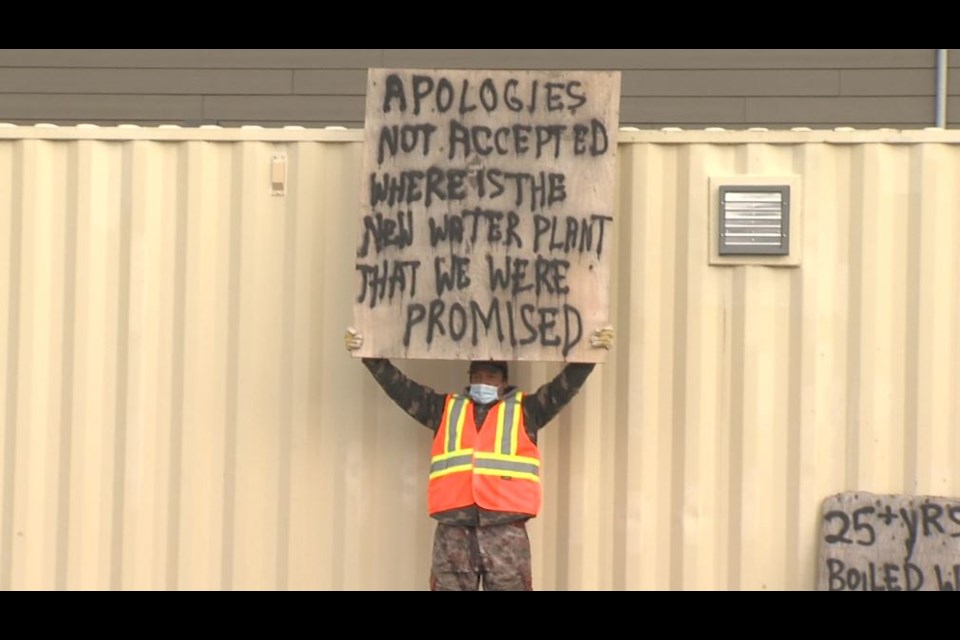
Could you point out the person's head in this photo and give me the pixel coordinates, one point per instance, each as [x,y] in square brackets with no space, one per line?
[488,380]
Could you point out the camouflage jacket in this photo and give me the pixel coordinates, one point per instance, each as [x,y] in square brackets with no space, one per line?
[426,406]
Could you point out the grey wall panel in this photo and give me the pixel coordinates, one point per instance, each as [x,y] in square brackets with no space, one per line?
[888,82]
[662,58]
[669,111]
[825,82]
[292,108]
[351,82]
[49,106]
[691,88]
[146,81]
[513,58]
[187,58]
[837,111]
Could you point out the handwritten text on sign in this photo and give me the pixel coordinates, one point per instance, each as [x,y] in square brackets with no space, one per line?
[487,214]
[889,543]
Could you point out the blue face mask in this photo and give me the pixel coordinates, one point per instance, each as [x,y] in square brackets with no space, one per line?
[483,393]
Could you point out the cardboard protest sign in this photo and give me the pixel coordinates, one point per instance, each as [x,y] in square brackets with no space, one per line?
[487,219]
[873,542]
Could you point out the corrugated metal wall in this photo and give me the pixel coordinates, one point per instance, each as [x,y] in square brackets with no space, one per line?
[179,411]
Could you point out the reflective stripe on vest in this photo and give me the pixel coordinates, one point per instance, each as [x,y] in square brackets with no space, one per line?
[453,458]
[504,461]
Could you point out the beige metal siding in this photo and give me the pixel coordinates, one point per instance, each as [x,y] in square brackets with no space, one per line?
[179,411]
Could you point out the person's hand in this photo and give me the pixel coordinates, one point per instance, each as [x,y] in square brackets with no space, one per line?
[602,338]
[352,339]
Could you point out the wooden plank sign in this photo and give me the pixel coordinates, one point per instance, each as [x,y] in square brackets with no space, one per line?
[487,217]
[874,542]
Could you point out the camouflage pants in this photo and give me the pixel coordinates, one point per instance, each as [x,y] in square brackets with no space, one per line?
[498,557]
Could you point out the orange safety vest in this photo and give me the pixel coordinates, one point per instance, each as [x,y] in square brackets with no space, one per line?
[496,467]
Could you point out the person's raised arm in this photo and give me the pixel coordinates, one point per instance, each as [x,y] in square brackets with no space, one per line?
[542,406]
[423,403]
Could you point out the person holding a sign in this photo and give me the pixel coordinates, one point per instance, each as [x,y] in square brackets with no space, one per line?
[484,481]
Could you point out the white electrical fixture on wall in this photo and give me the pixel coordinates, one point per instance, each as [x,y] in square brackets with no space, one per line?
[278,174]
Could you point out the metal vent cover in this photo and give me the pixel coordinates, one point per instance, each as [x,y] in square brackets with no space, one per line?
[754,220]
